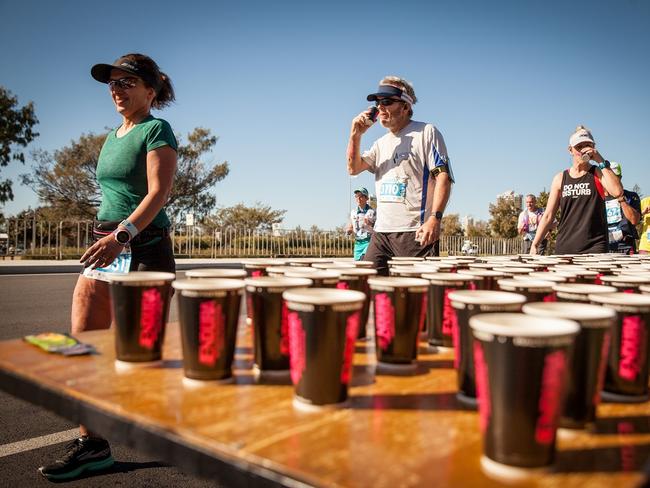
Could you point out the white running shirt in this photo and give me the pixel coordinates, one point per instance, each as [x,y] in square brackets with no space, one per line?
[402,167]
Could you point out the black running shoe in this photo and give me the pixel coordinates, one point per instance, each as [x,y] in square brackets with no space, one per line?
[83,454]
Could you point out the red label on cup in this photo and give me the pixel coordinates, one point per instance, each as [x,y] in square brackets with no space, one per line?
[284,330]
[256,273]
[151,311]
[384,320]
[602,367]
[472,285]
[249,307]
[455,336]
[297,344]
[343,285]
[423,312]
[549,400]
[448,314]
[351,331]
[598,280]
[482,386]
[632,340]
[211,332]
[550,297]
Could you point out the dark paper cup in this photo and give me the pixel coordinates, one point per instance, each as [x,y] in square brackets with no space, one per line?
[440,314]
[140,302]
[269,321]
[227,273]
[628,365]
[357,279]
[485,279]
[534,290]
[281,270]
[579,292]
[626,283]
[522,367]
[399,315]
[542,275]
[323,326]
[254,269]
[587,370]
[512,271]
[321,278]
[208,314]
[466,304]
[412,270]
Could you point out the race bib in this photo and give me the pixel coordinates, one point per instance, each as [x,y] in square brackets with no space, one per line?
[120,265]
[392,191]
[614,214]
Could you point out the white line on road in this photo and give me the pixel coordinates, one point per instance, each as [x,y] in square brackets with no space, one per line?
[37,442]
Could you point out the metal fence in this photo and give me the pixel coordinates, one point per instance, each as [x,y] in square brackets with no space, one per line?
[37,239]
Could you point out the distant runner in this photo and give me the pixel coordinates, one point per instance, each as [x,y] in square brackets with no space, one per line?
[412,171]
[579,193]
[623,214]
[362,220]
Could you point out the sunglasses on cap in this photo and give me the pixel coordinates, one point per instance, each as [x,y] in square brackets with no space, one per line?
[386,102]
[122,83]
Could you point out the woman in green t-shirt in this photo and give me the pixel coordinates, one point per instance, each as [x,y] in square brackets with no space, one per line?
[135,172]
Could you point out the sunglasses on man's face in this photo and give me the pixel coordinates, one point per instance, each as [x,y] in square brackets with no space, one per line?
[386,102]
[122,83]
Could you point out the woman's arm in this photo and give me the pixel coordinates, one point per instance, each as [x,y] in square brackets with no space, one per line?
[549,214]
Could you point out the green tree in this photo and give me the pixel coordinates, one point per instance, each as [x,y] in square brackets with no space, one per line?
[257,217]
[66,182]
[451,225]
[504,213]
[16,124]
[193,184]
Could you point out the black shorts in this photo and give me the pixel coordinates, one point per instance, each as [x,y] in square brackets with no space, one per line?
[386,245]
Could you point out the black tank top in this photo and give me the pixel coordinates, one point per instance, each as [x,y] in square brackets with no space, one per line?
[583,221]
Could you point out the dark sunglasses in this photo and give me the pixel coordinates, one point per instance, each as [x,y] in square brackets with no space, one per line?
[386,102]
[122,83]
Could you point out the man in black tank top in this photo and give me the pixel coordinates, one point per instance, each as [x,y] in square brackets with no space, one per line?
[579,192]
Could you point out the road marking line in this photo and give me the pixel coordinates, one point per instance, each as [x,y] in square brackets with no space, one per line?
[37,442]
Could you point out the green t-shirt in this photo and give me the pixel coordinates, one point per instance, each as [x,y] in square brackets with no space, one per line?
[122,168]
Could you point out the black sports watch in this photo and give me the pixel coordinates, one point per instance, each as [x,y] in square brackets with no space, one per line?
[604,164]
[122,236]
[438,215]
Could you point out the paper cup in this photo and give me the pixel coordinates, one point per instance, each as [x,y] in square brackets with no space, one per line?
[323,326]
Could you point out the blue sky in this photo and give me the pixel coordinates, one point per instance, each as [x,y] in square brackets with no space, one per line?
[506,82]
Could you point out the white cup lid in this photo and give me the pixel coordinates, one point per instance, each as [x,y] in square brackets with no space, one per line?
[486,297]
[569,310]
[141,277]
[397,282]
[215,273]
[209,284]
[323,296]
[522,325]
[277,282]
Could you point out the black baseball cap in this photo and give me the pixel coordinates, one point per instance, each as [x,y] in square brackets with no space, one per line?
[102,72]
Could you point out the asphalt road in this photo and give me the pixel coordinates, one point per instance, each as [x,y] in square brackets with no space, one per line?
[39,303]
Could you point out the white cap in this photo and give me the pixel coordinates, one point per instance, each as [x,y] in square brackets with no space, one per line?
[582,135]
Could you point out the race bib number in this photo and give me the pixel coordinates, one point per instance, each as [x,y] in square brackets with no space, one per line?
[120,265]
[392,191]
[614,214]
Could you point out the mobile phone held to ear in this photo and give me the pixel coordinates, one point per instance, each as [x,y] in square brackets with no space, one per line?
[374,111]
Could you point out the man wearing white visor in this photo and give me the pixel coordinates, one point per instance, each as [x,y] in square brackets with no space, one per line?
[412,171]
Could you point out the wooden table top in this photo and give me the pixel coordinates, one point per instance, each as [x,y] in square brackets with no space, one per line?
[398,431]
